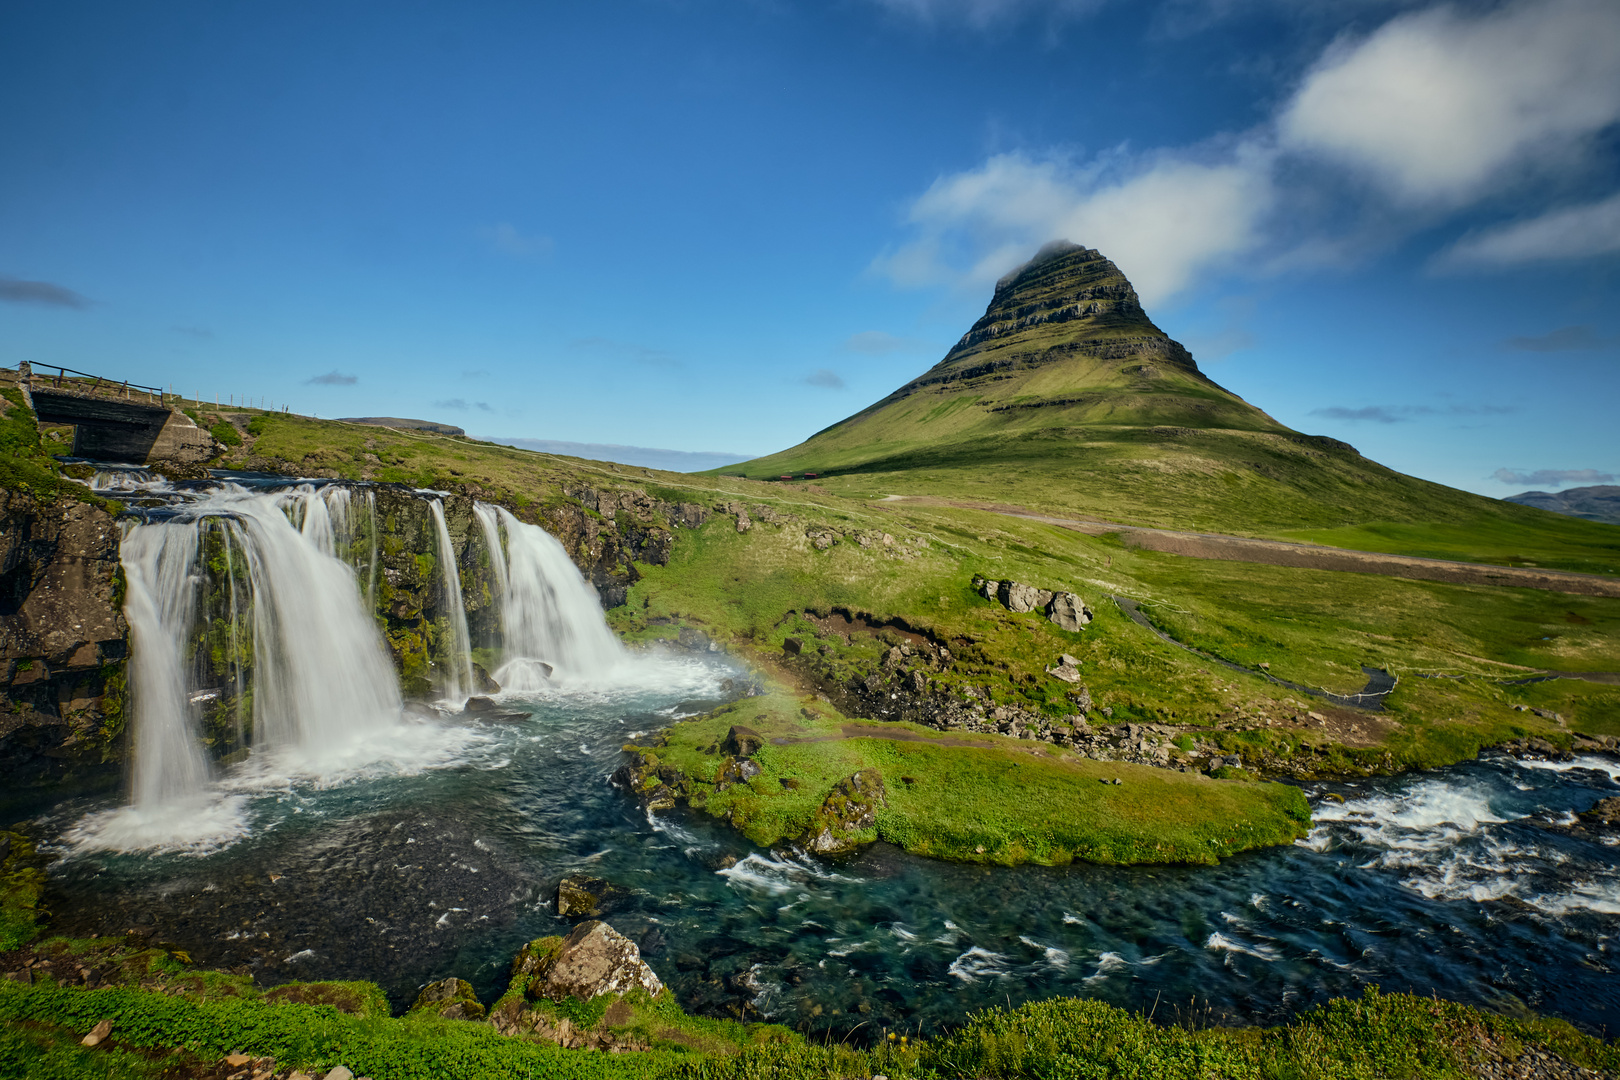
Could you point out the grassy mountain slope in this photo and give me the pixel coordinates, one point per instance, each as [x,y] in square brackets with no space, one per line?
[1066,398]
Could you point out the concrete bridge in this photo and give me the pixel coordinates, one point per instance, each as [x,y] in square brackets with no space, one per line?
[115,421]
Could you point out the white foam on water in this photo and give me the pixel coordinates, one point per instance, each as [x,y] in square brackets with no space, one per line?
[1053,955]
[1607,766]
[977,963]
[200,825]
[1431,815]
[1219,942]
[1108,965]
[776,876]
[1586,897]
[672,830]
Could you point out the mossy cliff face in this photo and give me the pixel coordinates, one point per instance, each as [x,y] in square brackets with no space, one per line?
[63,641]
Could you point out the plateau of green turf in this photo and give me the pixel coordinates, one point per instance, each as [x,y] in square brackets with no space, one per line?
[977,798]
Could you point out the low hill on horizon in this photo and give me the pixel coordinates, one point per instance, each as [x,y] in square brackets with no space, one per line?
[1067,399]
[1599,502]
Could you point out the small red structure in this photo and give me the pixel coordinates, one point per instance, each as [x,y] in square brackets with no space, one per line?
[785,476]
[811,475]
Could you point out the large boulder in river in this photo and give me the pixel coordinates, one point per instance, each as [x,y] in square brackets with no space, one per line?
[593,960]
[581,895]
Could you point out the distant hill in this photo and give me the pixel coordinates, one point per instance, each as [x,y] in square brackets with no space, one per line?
[401,422]
[647,457]
[1066,398]
[1600,502]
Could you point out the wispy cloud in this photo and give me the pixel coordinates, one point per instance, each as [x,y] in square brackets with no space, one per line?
[1376,413]
[1397,414]
[510,240]
[607,348]
[1576,232]
[193,331]
[479,374]
[1431,113]
[1551,477]
[878,343]
[826,379]
[18,291]
[463,404]
[1567,339]
[332,378]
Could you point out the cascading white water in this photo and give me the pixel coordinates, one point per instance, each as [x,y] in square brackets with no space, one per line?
[550,614]
[457,679]
[325,699]
[160,571]
[323,681]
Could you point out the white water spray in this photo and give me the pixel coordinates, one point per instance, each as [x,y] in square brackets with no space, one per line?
[161,603]
[458,676]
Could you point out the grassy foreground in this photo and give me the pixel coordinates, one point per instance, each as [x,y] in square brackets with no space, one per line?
[1376,1036]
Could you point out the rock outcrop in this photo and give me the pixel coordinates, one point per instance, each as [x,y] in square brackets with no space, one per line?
[578,894]
[63,639]
[593,960]
[453,999]
[1065,609]
[848,815]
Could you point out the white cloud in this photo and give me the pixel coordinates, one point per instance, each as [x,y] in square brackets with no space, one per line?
[1573,233]
[1437,105]
[1441,108]
[1162,218]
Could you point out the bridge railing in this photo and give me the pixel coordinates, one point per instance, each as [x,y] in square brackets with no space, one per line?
[97,382]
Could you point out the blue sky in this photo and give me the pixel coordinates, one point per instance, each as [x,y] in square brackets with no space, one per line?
[721,226]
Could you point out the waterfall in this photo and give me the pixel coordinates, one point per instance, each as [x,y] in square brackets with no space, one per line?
[322,680]
[322,677]
[371,563]
[458,676]
[160,603]
[551,616]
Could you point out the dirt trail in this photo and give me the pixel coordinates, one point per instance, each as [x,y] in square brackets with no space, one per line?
[1198,545]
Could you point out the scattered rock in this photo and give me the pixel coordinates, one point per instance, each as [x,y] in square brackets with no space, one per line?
[98,1033]
[581,895]
[452,998]
[1068,612]
[483,684]
[593,960]
[792,646]
[849,808]
[742,741]
[1605,813]
[339,1073]
[1067,671]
